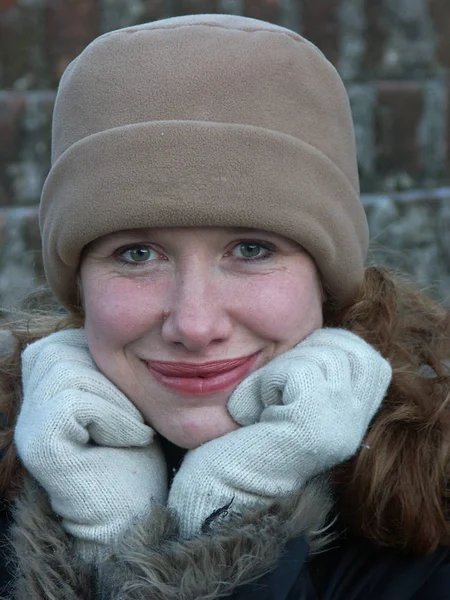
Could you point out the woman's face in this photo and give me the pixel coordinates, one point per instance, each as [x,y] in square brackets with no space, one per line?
[176,318]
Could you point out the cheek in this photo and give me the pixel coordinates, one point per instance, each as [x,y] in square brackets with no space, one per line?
[283,307]
[119,311]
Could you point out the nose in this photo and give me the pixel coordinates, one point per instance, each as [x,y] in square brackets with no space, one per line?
[196,313]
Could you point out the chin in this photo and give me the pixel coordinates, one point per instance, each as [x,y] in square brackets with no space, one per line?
[192,433]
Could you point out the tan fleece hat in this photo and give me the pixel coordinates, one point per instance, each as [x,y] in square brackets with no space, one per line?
[206,120]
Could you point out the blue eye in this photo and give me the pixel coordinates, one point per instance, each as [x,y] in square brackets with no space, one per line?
[137,254]
[252,251]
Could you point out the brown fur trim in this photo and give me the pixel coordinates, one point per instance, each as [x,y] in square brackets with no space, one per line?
[151,563]
[44,563]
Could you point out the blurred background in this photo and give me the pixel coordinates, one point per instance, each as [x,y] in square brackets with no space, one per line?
[394,57]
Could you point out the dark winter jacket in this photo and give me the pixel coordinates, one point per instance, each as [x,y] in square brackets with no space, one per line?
[273,554]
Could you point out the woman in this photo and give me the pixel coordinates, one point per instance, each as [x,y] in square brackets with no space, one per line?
[230,391]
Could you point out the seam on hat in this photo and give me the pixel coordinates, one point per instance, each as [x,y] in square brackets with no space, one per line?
[292,35]
[296,37]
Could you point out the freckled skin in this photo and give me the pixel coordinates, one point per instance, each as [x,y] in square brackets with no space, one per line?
[193,299]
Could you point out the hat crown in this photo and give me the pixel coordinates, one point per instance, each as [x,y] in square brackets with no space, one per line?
[207,68]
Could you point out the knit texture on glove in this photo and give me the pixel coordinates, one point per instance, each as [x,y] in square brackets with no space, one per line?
[86,443]
[303,413]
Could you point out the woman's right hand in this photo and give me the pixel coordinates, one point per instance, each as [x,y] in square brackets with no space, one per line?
[86,443]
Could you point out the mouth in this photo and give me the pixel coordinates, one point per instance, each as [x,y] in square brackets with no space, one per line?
[202,379]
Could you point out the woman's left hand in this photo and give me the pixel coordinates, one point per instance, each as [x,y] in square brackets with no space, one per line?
[302,413]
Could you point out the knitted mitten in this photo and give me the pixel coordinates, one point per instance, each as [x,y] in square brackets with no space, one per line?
[301,414]
[86,443]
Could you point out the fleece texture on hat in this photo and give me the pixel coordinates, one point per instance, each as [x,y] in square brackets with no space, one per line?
[206,120]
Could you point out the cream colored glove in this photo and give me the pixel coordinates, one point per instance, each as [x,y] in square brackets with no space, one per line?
[302,413]
[86,443]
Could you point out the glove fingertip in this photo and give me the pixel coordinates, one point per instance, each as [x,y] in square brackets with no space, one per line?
[244,406]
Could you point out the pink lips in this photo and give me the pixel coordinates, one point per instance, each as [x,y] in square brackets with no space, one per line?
[201,379]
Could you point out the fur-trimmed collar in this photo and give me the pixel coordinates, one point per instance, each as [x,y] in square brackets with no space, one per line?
[152,562]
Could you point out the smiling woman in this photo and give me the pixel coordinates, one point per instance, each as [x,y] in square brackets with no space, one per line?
[226,314]
[230,389]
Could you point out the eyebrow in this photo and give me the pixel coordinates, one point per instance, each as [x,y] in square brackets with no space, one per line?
[116,236]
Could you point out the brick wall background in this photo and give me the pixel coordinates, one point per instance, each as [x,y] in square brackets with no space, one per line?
[394,56]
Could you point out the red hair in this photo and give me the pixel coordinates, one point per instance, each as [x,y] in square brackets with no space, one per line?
[395,492]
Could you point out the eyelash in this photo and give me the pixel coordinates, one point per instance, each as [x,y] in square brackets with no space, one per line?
[121,251]
[265,245]
[270,250]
